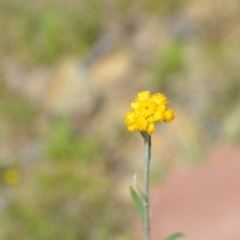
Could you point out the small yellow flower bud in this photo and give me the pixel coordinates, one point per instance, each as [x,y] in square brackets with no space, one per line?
[169,115]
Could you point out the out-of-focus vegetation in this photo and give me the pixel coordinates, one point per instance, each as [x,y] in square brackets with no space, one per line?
[69,174]
[44,31]
[63,194]
[47,30]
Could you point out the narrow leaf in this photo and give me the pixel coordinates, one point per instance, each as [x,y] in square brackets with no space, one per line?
[138,203]
[175,236]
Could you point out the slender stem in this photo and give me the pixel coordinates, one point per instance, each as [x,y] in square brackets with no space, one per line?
[147,158]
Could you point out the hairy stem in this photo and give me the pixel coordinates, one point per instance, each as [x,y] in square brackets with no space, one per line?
[147,157]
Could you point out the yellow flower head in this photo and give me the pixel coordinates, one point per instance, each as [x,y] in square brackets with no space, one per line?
[148,109]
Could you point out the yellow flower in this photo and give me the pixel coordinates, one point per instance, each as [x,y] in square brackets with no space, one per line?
[11,176]
[148,109]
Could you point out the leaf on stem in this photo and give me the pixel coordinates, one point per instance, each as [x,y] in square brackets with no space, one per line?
[175,236]
[138,203]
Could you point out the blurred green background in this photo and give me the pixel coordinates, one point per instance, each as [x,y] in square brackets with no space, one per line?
[69,70]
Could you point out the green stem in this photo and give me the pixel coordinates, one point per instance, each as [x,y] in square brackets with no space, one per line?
[147,157]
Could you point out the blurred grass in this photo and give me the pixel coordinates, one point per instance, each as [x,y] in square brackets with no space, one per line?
[66,193]
[168,62]
[61,144]
[17,115]
[45,32]
[60,207]
[42,32]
